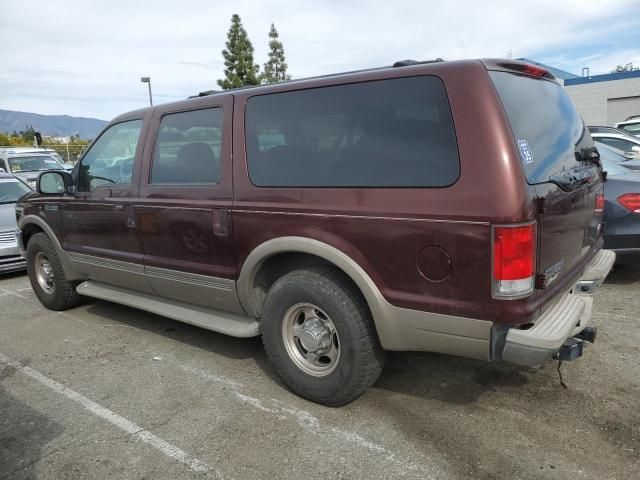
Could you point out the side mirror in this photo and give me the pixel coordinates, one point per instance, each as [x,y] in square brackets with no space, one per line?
[636,148]
[54,183]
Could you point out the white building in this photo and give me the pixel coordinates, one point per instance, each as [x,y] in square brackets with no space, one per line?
[601,99]
[606,99]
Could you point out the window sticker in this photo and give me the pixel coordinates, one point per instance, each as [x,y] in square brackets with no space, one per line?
[525,151]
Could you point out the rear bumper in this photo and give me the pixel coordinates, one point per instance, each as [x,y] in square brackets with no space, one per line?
[568,317]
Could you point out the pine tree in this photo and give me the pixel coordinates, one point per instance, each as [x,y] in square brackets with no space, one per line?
[238,58]
[275,70]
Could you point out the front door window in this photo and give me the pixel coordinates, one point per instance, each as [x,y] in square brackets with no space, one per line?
[110,159]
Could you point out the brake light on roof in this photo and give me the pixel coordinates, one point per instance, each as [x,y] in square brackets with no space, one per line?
[535,71]
[514,252]
[630,201]
[599,203]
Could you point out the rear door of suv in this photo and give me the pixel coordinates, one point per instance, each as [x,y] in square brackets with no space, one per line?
[185,196]
[555,149]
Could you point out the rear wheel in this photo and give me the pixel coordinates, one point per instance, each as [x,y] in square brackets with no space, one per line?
[318,333]
[47,275]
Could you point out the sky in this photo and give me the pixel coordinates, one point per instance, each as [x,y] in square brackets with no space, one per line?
[86,57]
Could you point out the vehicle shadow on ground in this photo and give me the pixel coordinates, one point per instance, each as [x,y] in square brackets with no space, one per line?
[23,434]
[231,347]
[448,379]
[624,275]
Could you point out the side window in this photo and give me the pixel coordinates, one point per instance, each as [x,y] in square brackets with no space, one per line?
[387,133]
[188,148]
[618,143]
[110,159]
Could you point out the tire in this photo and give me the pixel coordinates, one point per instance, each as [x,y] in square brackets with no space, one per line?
[354,341]
[59,293]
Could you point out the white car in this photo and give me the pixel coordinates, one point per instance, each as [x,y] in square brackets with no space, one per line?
[617,139]
[49,151]
[27,164]
[631,125]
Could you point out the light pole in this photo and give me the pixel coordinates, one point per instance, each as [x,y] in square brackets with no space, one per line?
[147,80]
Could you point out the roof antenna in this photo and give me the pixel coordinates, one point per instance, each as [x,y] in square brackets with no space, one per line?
[509,54]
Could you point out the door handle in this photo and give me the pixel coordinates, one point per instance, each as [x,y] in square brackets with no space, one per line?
[220,222]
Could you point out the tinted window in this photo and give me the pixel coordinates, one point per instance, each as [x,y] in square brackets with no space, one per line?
[188,147]
[547,128]
[109,161]
[619,143]
[389,133]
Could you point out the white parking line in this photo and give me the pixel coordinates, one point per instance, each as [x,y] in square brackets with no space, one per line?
[113,418]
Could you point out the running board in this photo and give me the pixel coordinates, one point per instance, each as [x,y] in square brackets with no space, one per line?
[222,322]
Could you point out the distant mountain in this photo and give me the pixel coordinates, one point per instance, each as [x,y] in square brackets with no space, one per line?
[51,125]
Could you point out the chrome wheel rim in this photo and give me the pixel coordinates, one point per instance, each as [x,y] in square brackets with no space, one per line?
[44,273]
[311,339]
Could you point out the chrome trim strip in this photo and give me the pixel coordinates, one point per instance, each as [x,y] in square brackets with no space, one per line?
[107,263]
[170,207]
[362,217]
[190,278]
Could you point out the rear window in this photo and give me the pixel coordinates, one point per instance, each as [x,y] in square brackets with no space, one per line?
[547,128]
[389,133]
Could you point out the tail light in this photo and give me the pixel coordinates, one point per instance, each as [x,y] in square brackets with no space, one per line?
[514,256]
[630,201]
[599,203]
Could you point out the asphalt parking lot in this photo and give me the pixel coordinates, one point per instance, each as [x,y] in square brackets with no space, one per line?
[108,392]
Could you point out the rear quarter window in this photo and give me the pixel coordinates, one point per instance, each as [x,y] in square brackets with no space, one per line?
[388,133]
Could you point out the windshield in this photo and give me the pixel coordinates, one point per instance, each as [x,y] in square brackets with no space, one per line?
[11,190]
[31,164]
[547,128]
[608,154]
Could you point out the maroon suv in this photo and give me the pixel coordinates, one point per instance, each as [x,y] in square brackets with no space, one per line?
[450,207]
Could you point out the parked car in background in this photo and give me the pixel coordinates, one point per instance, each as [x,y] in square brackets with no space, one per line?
[11,189]
[617,139]
[28,164]
[613,155]
[57,157]
[631,125]
[342,216]
[622,212]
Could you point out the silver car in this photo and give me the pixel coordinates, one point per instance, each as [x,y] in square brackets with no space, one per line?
[11,189]
[28,165]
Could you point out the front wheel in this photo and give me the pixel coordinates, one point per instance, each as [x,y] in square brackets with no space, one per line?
[319,335]
[47,275]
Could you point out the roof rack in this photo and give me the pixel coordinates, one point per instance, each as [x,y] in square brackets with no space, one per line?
[206,93]
[409,62]
[401,63]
